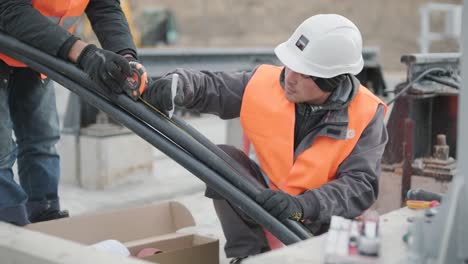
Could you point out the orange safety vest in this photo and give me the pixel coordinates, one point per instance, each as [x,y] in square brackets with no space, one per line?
[268,118]
[65,13]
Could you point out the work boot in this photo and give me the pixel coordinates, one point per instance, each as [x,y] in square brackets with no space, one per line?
[237,260]
[50,214]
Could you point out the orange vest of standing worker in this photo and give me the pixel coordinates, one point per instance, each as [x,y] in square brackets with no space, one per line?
[268,118]
[66,13]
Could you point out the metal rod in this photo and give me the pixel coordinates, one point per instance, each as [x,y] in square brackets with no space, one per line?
[408,154]
[214,180]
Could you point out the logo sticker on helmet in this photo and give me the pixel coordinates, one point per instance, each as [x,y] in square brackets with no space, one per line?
[302,42]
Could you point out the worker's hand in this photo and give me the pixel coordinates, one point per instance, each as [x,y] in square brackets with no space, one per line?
[159,93]
[280,204]
[106,68]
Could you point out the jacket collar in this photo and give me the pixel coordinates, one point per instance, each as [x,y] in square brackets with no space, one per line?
[334,123]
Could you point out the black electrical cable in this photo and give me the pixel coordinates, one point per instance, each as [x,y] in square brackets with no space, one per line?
[442,81]
[298,228]
[199,150]
[203,149]
[408,85]
[206,174]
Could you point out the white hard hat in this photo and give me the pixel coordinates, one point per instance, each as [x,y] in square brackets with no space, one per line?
[323,46]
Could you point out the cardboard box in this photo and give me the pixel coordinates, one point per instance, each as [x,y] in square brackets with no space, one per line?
[137,228]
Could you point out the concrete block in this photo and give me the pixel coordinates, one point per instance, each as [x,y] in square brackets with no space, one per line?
[234,133]
[105,155]
[68,150]
[109,160]
[210,126]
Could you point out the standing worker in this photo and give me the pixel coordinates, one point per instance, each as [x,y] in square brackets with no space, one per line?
[317,133]
[27,101]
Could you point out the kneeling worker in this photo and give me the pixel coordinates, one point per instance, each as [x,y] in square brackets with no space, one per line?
[318,134]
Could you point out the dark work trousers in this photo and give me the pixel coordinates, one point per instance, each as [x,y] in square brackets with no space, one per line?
[27,108]
[244,237]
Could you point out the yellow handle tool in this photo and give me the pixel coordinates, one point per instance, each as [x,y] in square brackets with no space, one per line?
[417,204]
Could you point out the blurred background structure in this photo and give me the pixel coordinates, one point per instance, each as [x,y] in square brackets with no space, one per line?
[393,26]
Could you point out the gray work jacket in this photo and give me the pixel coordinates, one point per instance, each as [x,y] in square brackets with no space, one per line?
[356,185]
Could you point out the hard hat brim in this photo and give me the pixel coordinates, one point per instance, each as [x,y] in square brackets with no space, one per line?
[293,61]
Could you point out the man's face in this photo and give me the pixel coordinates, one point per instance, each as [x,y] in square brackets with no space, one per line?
[300,88]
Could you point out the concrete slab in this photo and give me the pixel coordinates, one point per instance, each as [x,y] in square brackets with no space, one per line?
[19,245]
[392,227]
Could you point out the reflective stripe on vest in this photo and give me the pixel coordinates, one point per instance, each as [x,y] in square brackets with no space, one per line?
[66,13]
[267,118]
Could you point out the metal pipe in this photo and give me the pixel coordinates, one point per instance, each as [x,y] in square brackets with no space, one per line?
[199,169]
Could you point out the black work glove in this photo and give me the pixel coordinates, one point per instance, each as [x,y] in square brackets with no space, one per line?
[280,204]
[159,93]
[106,68]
